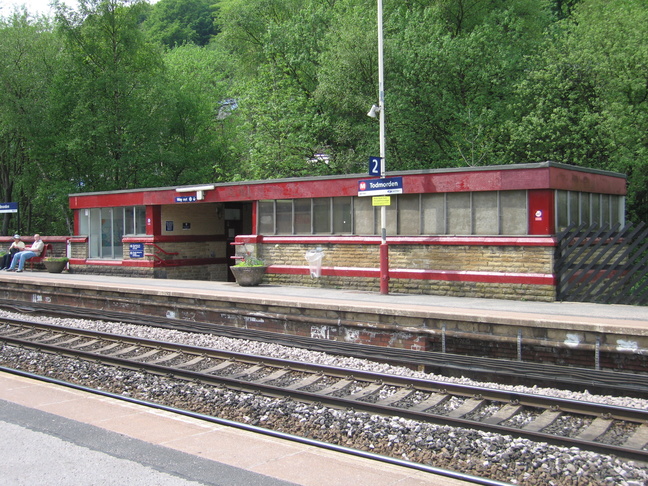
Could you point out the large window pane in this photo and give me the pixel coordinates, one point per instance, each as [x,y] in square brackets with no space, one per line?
[615,203]
[118,233]
[409,214]
[106,233]
[363,216]
[596,208]
[605,209]
[485,216]
[433,207]
[140,220]
[574,208]
[585,208]
[265,211]
[513,213]
[284,217]
[459,213]
[94,235]
[303,216]
[342,215]
[322,215]
[562,209]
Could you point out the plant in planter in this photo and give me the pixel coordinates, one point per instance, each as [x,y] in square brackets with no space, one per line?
[249,271]
[55,264]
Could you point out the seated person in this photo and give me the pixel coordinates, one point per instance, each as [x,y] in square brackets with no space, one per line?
[22,256]
[16,246]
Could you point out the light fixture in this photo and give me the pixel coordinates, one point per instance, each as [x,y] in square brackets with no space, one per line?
[373,113]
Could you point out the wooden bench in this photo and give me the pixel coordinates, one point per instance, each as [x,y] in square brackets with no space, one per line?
[39,259]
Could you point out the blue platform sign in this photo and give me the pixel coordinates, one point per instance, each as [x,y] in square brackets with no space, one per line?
[183,199]
[11,207]
[381,187]
[136,250]
[375,164]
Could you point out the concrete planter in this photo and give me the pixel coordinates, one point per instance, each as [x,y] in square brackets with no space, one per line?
[54,267]
[248,276]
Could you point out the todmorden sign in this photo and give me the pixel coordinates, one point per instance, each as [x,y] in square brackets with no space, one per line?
[380,187]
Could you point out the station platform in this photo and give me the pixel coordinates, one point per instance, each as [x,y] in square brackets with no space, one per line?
[55,435]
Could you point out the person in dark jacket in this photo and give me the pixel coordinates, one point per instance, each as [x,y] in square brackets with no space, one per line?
[16,246]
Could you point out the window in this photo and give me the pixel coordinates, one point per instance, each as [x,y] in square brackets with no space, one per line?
[461,213]
[573,207]
[106,227]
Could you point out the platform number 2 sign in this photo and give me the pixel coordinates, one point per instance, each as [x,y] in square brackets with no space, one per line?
[374,166]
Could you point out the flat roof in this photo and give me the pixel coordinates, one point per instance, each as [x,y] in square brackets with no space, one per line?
[450,170]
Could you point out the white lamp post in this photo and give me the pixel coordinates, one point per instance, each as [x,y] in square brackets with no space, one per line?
[384,254]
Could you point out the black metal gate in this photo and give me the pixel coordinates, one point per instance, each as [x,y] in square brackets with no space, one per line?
[603,265]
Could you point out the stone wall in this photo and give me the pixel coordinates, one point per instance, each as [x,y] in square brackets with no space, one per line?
[463,270]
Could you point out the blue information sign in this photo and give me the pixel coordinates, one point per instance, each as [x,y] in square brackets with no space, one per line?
[11,207]
[381,187]
[181,199]
[136,250]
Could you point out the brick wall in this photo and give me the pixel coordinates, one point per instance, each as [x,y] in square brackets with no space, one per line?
[364,258]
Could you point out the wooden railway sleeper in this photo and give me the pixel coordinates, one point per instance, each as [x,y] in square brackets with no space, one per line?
[639,439]
[219,367]
[503,414]
[51,337]
[432,401]
[272,376]
[396,397]
[309,380]
[147,354]
[107,348]
[543,420]
[166,358]
[191,362]
[247,371]
[85,344]
[466,407]
[124,351]
[339,386]
[597,428]
[70,341]
[367,391]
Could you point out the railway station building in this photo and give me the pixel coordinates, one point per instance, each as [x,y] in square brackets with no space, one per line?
[476,232]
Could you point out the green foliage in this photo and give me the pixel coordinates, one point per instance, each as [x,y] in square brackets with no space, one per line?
[250,261]
[120,94]
[178,22]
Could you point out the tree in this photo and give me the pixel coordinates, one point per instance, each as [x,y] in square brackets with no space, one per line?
[109,98]
[586,101]
[29,50]
[177,22]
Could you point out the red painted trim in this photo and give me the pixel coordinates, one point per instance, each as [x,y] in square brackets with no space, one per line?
[416,274]
[573,180]
[495,178]
[401,240]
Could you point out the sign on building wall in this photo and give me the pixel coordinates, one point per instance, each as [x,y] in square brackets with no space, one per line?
[381,187]
[136,250]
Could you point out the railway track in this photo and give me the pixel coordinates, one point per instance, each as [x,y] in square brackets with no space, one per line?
[588,426]
[596,381]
